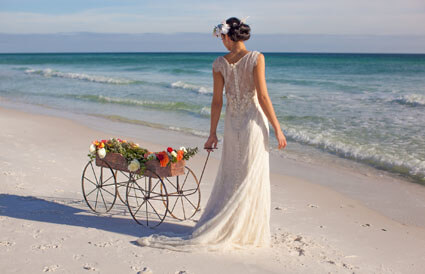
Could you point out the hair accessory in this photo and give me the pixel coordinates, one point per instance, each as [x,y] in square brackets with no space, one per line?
[243,20]
[222,28]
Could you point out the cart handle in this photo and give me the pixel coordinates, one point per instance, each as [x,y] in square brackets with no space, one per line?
[206,161]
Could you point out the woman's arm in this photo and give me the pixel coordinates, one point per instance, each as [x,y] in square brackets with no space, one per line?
[216,105]
[264,100]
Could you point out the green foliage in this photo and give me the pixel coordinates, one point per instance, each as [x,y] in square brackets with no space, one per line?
[190,153]
[131,151]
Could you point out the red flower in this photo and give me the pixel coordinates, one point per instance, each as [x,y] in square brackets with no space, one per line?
[163,158]
[159,156]
[170,149]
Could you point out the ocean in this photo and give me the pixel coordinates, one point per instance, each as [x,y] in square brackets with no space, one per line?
[367,108]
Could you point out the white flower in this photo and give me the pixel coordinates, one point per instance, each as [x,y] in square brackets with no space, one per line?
[134,165]
[92,148]
[102,153]
[184,149]
[151,156]
[174,154]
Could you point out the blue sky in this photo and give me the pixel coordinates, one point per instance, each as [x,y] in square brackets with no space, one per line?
[352,17]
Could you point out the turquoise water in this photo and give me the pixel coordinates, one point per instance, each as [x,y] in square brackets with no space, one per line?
[368,108]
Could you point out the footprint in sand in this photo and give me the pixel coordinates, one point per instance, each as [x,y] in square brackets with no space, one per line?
[77,257]
[8,173]
[101,244]
[312,206]
[37,233]
[90,267]
[45,247]
[6,244]
[181,272]
[145,270]
[51,268]
[366,225]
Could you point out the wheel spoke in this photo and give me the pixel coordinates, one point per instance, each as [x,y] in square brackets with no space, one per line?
[90,192]
[111,184]
[141,189]
[135,213]
[95,176]
[171,182]
[106,207]
[154,210]
[108,179]
[189,202]
[185,179]
[108,192]
[175,203]
[128,177]
[90,181]
[135,194]
[155,185]
[147,215]
[184,213]
[97,195]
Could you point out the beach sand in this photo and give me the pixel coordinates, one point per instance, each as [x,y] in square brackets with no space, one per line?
[323,219]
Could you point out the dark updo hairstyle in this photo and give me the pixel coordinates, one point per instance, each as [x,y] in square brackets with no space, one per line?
[238,31]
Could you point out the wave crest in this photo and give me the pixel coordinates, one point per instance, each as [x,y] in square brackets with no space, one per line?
[166,106]
[79,76]
[192,87]
[413,100]
[409,166]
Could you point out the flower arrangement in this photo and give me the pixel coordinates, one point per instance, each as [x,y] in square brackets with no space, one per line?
[136,156]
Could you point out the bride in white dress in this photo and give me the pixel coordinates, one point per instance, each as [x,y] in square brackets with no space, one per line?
[237,214]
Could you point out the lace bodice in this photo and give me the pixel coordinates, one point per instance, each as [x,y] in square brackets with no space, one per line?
[238,81]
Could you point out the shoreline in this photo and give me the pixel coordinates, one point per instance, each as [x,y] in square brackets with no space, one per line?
[364,184]
[315,227]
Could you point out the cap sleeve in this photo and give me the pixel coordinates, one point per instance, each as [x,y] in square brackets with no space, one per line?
[255,58]
[217,64]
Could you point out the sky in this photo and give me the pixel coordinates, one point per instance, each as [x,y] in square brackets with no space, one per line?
[289,17]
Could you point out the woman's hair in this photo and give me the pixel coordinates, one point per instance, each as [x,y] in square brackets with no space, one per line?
[238,31]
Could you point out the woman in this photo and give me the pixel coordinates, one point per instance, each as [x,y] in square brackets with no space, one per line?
[237,214]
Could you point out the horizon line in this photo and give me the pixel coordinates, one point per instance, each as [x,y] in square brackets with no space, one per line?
[162,52]
[175,33]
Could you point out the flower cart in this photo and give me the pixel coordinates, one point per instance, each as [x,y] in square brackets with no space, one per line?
[150,185]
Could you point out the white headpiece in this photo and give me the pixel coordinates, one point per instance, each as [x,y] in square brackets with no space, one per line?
[223,28]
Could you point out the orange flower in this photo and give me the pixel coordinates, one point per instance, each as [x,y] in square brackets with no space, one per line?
[102,145]
[180,154]
[163,158]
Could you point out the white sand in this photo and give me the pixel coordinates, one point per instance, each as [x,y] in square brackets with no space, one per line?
[324,220]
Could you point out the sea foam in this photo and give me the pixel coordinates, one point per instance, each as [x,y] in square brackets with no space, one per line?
[365,153]
[79,76]
[192,87]
[411,100]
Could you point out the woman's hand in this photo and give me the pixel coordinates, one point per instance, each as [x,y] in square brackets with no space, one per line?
[281,139]
[211,143]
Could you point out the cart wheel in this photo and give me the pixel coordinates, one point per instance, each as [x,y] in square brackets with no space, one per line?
[122,179]
[146,201]
[99,187]
[184,196]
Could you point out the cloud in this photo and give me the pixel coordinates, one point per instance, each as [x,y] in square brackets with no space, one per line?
[382,17]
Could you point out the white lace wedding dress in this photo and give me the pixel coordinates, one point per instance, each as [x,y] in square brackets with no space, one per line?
[237,214]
